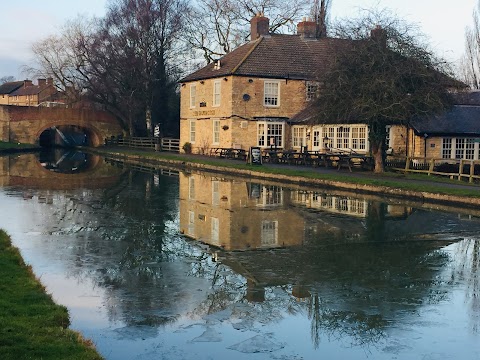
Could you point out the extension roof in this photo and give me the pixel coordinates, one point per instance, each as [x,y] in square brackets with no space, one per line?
[276,56]
[459,120]
[10,87]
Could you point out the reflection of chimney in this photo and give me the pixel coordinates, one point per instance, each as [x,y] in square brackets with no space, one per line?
[259,26]
[307,28]
[27,83]
[255,292]
[42,82]
[379,35]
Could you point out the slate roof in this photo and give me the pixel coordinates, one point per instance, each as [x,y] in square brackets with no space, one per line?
[30,90]
[461,119]
[276,56]
[9,87]
[467,98]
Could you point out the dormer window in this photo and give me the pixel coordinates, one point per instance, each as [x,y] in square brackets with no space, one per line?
[216,65]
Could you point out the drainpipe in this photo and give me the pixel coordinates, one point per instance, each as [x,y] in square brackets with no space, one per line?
[425,137]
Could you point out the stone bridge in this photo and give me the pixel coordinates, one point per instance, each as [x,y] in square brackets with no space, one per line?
[24,124]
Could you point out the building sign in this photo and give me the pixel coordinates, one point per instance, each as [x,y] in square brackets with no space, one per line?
[255,156]
[204,112]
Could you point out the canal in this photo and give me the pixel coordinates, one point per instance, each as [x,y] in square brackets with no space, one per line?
[177,264]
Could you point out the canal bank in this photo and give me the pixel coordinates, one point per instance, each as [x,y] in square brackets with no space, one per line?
[33,326]
[396,185]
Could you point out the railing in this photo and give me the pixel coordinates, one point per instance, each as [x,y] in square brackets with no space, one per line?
[169,144]
[453,168]
[164,144]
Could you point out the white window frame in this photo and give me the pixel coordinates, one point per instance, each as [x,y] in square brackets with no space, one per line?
[460,148]
[270,196]
[267,130]
[192,130]
[269,233]
[271,93]
[191,223]
[216,131]
[341,137]
[311,90]
[191,188]
[299,136]
[215,231]
[217,95]
[193,95]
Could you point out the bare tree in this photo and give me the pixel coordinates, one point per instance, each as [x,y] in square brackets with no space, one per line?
[6,79]
[320,11]
[216,27]
[125,61]
[470,65]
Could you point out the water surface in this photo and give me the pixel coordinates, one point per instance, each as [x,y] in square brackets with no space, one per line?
[162,264]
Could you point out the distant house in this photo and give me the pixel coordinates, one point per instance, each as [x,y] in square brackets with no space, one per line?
[8,88]
[259,95]
[25,93]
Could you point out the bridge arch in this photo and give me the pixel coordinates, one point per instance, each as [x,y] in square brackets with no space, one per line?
[25,124]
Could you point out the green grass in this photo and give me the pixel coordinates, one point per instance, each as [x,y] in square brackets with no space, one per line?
[406,182]
[9,145]
[32,326]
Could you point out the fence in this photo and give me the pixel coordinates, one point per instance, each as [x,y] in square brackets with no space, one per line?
[164,144]
[453,168]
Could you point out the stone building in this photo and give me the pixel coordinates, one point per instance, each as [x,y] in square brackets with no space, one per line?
[247,97]
[259,95]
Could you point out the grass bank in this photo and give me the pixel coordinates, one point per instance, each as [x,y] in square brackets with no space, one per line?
[32,326]
[13,147]
[408,183]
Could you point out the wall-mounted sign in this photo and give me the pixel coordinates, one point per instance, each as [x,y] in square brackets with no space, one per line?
[204,112]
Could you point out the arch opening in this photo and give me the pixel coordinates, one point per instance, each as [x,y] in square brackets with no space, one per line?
[67,136]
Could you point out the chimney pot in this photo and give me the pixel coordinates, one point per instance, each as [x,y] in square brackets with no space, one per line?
[307,29]
[379,35]
[259,26]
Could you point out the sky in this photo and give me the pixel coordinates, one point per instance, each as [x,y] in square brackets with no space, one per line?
[24,22]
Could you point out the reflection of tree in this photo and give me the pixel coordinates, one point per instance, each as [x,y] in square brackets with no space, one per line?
[375,221]
[362,329]
[467,270]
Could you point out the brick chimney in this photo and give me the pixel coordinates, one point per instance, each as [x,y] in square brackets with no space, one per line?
[259,26]
[50,81]
[27,83]
[307,29]
[42,82]
[379,35]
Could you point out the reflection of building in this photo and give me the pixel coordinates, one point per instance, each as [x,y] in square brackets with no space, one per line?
[234,216]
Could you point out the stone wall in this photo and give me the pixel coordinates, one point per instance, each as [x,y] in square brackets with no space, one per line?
[241,102]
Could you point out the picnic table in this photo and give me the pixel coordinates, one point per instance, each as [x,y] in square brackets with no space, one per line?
[228,153]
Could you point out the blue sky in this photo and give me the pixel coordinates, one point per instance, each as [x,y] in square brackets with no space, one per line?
[24,22]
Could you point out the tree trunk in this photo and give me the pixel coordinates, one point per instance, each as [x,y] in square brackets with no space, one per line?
[377,153]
